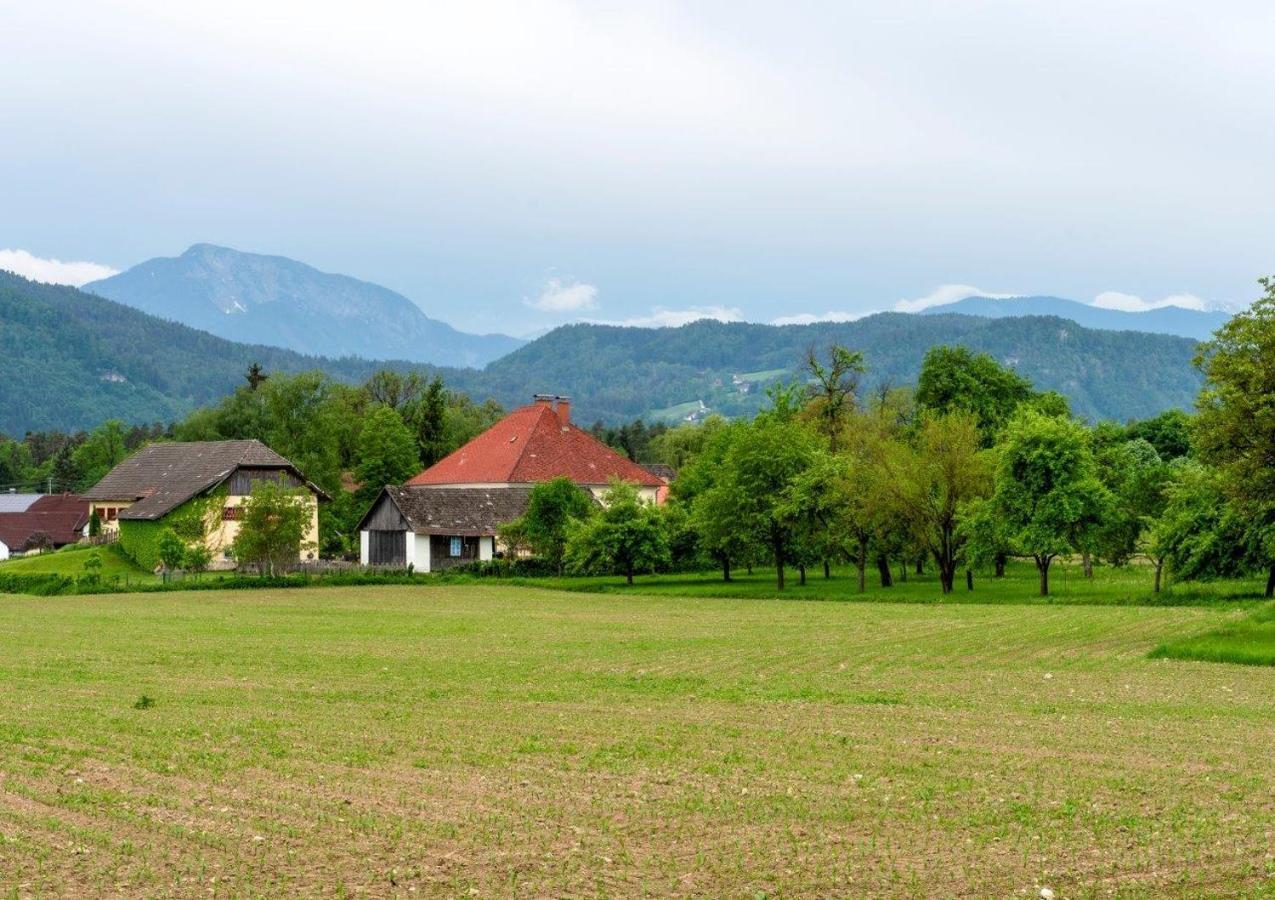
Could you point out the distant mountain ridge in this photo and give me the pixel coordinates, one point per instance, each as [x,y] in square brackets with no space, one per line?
[279,302]
[70,360]
[1191,323]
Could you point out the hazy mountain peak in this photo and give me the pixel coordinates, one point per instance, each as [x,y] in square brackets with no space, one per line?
[1176,320]
[281,302]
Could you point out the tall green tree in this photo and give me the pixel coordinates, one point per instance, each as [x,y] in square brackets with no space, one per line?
[956,378]
[1235,426]
[832,388]
[1047,490]
[934,479]
[760,465]
[387,452]
[103,450]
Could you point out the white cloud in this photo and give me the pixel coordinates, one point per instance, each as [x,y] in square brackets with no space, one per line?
[945,294]
[1133,303]
[662,317]
[565,296]
[811,318]
[54,271]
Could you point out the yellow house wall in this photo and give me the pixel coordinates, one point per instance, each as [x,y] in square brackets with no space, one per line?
[223,535]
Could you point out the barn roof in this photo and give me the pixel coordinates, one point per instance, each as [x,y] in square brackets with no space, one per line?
[160,477]
[61,516]
[454,511]
[16,503]
[533,444]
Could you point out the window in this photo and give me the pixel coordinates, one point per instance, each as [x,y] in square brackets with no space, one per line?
[454,549]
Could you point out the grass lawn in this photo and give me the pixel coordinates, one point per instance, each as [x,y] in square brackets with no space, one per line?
[70,561]
[1110,585]
[1250,641]
[495,740]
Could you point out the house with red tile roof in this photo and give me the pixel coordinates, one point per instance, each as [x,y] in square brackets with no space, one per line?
[422,525]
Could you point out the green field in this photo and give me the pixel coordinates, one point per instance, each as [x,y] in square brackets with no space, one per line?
[1123,585]
[1250,641]
[70,561]
[485,740]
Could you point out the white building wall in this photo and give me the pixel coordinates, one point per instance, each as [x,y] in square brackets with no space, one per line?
[422,551]
[4,550]
[365,541]
[486,548]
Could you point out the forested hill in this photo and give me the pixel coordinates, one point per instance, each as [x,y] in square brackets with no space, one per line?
[71,360]
[618,373]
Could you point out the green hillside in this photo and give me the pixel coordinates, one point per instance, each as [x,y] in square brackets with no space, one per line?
[70,360]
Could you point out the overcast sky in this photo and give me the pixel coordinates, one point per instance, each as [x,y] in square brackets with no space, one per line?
[514,166]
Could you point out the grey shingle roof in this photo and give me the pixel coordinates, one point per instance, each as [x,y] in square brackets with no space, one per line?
[160,477]
[16,503]
[458,511]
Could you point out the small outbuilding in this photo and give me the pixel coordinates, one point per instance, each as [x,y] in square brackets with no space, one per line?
[434,528]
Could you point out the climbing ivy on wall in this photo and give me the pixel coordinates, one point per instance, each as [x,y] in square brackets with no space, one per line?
[192,521]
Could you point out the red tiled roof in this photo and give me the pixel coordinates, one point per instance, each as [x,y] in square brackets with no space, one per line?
[530,445]
[17,529]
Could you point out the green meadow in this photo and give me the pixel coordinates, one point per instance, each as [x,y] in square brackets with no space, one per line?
[481,739]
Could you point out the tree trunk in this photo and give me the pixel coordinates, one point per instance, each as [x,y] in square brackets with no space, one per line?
[920,564]
[779,563]
[1086,561]
[801,570]
[1270,583]
[628,574]
[903,570]
[748,566]
[947,577]
[827,569]
[1159,567]
[862,565]
[1042,566]
[969,579]
[883,566]
[1000,565]
[726,568]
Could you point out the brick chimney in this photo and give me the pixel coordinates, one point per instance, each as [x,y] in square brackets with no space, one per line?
[543,399]
[562,405]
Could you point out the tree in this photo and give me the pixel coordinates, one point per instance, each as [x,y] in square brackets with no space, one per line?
[255,376]
[197,558]
[1235,426]
[552,509]
[760,464]
[626,537]
[1169,433]
[387,452]
[65,474]
[934,480]
[93,568]
[832,387]
[1047,491]
[95,524]
[1198,535]
[274,527]
[394,389]
[101,451]
[954,378]
[172,551]
[428,417]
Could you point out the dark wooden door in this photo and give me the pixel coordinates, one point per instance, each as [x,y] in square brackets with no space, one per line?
[387,548]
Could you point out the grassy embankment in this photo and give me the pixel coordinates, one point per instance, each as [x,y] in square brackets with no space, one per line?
[497,740]
[70,560]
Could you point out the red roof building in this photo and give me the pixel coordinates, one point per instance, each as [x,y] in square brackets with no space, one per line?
[54,519]
[532,444]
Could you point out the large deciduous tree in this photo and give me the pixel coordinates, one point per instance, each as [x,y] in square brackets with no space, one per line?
[387,452]
[552,510]
[274,527]
[626,537]
[933,481]
[1235,427]
[1047,490]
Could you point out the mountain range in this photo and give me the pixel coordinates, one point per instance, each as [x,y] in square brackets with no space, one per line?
[1191,323]
[280,302]
[71,359]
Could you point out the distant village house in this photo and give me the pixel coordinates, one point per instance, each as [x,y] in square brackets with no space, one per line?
[450,513]
[211,479]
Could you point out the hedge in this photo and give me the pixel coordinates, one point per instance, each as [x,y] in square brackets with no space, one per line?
[140,541]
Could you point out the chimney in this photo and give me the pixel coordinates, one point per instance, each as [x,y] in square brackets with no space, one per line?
[563,407]
[542,399]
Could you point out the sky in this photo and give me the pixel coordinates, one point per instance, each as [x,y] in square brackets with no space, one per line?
[514,166]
